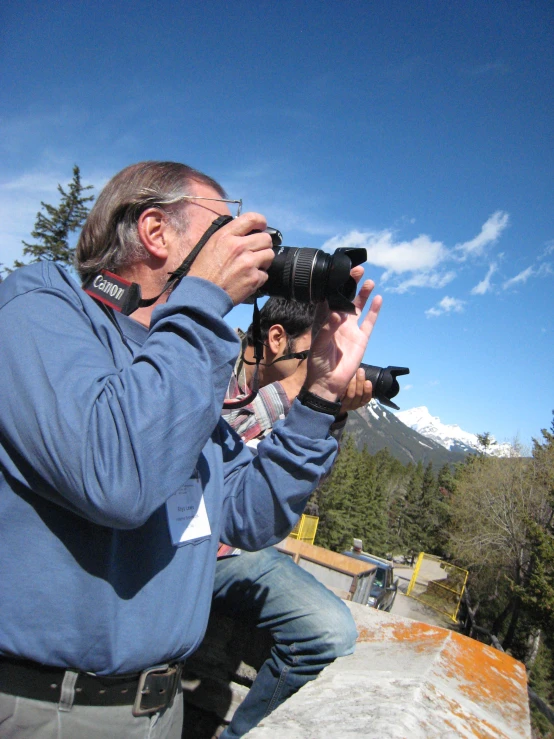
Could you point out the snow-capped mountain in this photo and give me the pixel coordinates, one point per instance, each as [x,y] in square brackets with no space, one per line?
[450,436]
[375,427]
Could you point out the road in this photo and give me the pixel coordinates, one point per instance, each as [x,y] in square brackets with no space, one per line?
[411,608]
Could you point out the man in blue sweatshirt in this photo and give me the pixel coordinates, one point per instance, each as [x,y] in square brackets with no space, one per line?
[118,477]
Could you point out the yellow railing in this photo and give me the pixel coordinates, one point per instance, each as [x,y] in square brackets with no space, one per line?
[305,529]
[438,584]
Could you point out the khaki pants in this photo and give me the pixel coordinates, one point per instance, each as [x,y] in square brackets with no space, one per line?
[22,718]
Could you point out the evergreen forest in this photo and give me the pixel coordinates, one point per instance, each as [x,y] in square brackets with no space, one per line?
[492,516]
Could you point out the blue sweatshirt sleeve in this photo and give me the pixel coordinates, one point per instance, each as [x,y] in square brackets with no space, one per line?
[111,433]
[267,492]
[105,434]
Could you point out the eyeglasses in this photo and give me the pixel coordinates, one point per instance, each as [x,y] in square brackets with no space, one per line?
[238,203]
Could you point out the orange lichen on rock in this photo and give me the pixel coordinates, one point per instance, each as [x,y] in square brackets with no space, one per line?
[484,674]
[462,672]
[396,629]
[455,716]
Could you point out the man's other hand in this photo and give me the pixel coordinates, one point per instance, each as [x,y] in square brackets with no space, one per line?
[236,259]
[358,393]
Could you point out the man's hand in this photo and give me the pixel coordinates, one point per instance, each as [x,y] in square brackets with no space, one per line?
[236,259]
[339,346]
[358,393]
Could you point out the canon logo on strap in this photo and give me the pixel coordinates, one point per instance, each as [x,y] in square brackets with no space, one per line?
[114,291]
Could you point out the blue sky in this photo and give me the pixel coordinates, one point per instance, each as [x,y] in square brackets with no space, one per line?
[421,131]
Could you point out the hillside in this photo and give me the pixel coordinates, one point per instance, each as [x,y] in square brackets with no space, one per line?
[375,427]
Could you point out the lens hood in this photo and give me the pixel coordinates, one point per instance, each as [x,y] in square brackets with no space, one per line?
[385,384]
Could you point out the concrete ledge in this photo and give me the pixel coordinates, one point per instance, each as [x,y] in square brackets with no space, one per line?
[408,680]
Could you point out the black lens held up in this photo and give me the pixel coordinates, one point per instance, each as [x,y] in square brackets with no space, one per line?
[385,384]
[312,275]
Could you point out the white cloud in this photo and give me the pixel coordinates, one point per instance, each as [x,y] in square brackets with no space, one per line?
[485,285]
[434,280]
[519,279]
[422,256]
[490,232]
[395,257]
[446,305]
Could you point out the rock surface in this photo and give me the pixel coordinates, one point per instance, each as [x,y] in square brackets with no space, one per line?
[408,680]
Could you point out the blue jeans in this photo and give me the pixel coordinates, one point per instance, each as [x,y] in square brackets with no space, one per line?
[310,626]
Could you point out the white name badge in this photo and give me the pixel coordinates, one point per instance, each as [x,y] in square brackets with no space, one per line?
[187,516]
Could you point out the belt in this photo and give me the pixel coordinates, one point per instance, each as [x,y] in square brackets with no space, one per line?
[148,691]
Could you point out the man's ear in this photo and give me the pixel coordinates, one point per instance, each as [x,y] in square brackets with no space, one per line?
[152,231]
[277,339]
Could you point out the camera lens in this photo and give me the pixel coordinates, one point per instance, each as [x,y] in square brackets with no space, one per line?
[385,384]
[312,275]
[307,275]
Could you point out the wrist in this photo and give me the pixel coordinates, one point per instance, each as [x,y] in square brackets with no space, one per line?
[322,391]
[318,403]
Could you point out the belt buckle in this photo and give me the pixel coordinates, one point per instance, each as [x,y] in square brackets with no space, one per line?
[162,679]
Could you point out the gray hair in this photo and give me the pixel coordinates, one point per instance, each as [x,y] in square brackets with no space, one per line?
[109,239]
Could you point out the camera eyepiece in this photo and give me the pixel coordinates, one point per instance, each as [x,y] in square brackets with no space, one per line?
[312,275]
[385,384]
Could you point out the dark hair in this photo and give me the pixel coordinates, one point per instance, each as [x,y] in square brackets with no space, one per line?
[109,239]
[296,318]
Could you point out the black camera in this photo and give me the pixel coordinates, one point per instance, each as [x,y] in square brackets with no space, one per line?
[311,275]
[385,384]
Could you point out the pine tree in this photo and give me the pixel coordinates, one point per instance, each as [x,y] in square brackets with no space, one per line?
[369,510]
[338,520]
[410,532]
[434,514]
[538,596]
[52,229]
[486,442]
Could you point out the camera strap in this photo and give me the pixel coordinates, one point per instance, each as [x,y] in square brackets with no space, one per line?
[126,297]
[183,269]
[293,355]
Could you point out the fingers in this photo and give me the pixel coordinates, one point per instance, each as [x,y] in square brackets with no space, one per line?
[358,393]
[357,273]
[363,294]
[264,258]
[250,228]
[237,257]
[246,223]
[369,321]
